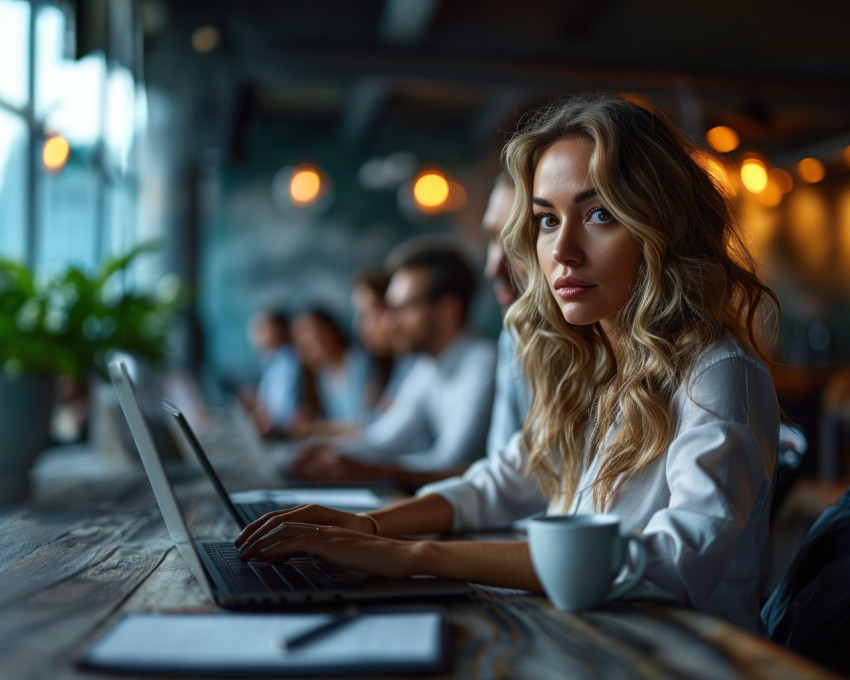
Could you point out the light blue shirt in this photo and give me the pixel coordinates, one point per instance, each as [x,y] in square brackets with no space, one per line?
[279,390]
[513,398]
[343,393]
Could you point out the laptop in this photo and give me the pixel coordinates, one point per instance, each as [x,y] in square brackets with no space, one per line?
[233,583]
[247,506]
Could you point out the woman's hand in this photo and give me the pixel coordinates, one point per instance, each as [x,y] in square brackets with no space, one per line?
[305,514]
[339,538]
[340,547]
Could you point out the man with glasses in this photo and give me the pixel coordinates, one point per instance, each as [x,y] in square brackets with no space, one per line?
[439,420]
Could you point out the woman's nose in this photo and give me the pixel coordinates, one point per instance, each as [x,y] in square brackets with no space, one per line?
[567,248]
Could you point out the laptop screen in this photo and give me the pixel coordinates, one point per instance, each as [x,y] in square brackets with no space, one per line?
[166,498]
[179,421]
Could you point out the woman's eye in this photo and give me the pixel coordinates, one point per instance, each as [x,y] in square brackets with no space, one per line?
[545,221]
[600,216]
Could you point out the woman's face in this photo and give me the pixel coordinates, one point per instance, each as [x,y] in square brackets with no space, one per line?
[589,259]
[370,320]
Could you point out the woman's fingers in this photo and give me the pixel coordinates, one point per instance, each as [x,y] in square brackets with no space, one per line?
[341,547]
[276,542]
[260,522]
[303,514]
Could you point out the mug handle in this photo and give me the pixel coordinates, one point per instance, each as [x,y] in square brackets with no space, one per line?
[639,567]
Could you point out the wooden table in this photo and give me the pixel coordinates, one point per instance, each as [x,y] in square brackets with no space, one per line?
[90,548]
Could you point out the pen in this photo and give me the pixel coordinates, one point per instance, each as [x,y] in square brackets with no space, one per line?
[285,645]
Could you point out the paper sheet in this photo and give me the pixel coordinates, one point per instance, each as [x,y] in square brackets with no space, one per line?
[224,643]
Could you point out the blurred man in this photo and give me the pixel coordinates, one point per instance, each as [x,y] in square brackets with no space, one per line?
[512,396]
[439,420]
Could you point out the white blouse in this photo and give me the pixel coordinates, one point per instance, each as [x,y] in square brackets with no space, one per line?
[702,507]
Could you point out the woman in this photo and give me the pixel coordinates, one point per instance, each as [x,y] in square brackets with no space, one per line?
[375,334]
[341,369]
[638,337]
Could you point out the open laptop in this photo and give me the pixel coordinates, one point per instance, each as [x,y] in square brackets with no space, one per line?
[234,583]
[247,506]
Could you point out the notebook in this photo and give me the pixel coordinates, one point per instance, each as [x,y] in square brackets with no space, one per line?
[234,583]
[238,645]
[246,506]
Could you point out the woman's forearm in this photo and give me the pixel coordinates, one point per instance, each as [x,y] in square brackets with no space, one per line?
[431,514]
[494,563]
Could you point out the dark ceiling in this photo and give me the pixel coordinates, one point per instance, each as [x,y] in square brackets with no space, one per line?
[380,75]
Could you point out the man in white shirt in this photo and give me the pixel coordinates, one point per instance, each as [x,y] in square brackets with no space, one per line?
[439,420]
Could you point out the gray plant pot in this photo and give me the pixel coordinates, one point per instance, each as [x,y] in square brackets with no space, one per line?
[26,405]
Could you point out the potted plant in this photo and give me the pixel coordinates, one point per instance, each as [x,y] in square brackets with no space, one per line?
[65,326]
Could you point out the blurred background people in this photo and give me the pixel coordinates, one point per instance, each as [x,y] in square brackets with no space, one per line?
[373,325]
[440,417]
[341,369]
[373,329]
[283,397]
[512,396]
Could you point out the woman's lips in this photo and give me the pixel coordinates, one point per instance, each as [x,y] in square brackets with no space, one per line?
[568,287]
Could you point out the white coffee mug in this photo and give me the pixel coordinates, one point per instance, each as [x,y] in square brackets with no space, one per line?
[578,558]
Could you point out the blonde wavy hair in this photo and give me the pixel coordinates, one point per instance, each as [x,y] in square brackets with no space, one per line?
[696,283]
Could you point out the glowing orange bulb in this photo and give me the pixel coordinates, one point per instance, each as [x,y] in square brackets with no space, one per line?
[771,197]
[723,139]
[55,153]
[811,170]
[754,175]
[431,190]
[304,187]
[782,179]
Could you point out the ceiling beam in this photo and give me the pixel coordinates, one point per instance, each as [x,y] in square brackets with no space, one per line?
[274,66]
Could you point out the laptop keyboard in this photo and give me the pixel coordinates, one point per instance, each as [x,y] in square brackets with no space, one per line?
[294,574]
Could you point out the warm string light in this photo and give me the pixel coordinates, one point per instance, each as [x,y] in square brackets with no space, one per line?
[431,190]
[723,139]
[782,179]
[754,175]
[305,186]
[811,170]
[55,153]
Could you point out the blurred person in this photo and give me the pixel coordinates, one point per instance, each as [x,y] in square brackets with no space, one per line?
[281,397]
[340,368]
[374,328]
[651,397]
[386,370]
[439,419]
[513,399]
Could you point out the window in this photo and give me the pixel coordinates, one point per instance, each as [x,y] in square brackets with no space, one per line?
[78,212]
[14,146]
[69,211]
[14,52]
